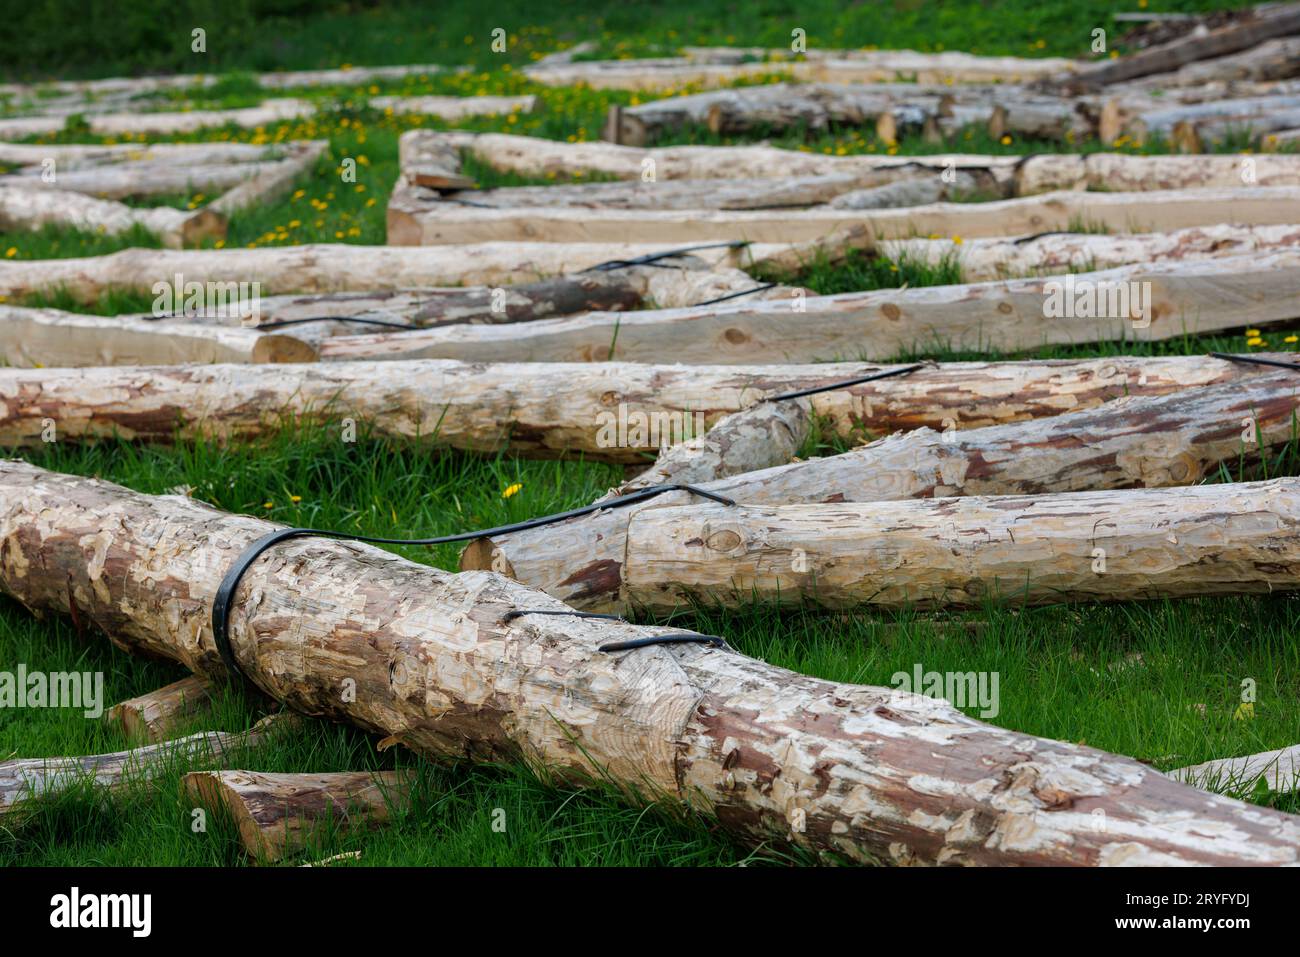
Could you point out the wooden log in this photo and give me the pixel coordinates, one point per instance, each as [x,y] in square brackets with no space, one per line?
[981,260]
[1126,173]
[324,268]
[1058,121]
[1275,59]
[32,207]
[155,716]
[534,156]
[1279,770]
[23,779]
[1280,139]
[1181,298]
[1283,20]
[71,157]
[1210,120]
[455,107]
[1164,440]
[274,182]
[142,180]
[847,770]
[51,337]
[162,123]
[608,411]
[1033,549]
[918,191]
[416,217]
[278,814]
[433,162]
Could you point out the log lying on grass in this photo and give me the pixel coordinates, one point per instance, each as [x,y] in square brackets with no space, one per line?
[25,208]
[854,771]
[1275,59]
[1279,770]
[140,180]
[278,814]
[1034,549]
[981,260]
[1266,25]
[456,107]
[51,337]
[31,158]
[323,268]
[1150,441]
[271,184]
[161,124]
[155,716]
[23,779]
[614,412]
[1124,173]
[421,217]
[1143,303]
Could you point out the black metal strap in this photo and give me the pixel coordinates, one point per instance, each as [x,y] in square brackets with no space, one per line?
[1256,360]
[846,383]
[736,295]
[225,596]
[281,323]
[652,258]
[676,638]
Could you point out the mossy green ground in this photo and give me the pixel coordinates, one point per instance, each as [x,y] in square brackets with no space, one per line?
[1157,680]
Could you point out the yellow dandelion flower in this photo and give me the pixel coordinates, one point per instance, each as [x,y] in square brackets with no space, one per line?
[11,252]
[1256,342]
[1006,140]
[1251,333]
[511,490]
[268,505]
[1292,339]
[295,499]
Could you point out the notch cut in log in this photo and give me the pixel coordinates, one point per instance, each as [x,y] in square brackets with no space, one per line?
[278,814]
[1157,441]
[848,771]
[154,716]
[614,412]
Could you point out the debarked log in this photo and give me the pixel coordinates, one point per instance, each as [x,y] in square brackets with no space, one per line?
[51,337]
[615,412]
[852,771]
[1168,440]
[322,268]
[420,217]
[32,207]
[154,716]
[1130,303]
[1279,770]
[277,814]
[982,260]
[1035,549]
[25,779]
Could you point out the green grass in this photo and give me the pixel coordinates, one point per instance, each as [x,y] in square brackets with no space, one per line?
[1156,680]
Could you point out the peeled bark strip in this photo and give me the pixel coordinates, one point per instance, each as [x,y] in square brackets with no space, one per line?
[1170,56]
[324,268]
[50,337]
[1279,770]
[1152,441]
[982,260]
[1185,298]
[31,207]
[22,779]
[1155,543]
[416,217]
[278,814]
[156,715]
[862,772]
[613,412]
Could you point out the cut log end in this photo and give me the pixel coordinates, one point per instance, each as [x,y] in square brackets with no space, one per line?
[277,348]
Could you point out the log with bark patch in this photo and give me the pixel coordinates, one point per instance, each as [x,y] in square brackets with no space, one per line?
[422,217]
[1142,303]
[155,716]
[849,771]
[982,260]
[1282,21]
[32,207]
[278,814]
[1164,440]
[23,780]
[324,268]
[1275,59]
[614,412]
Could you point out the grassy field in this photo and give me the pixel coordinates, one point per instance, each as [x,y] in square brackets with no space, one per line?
[1157,680]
